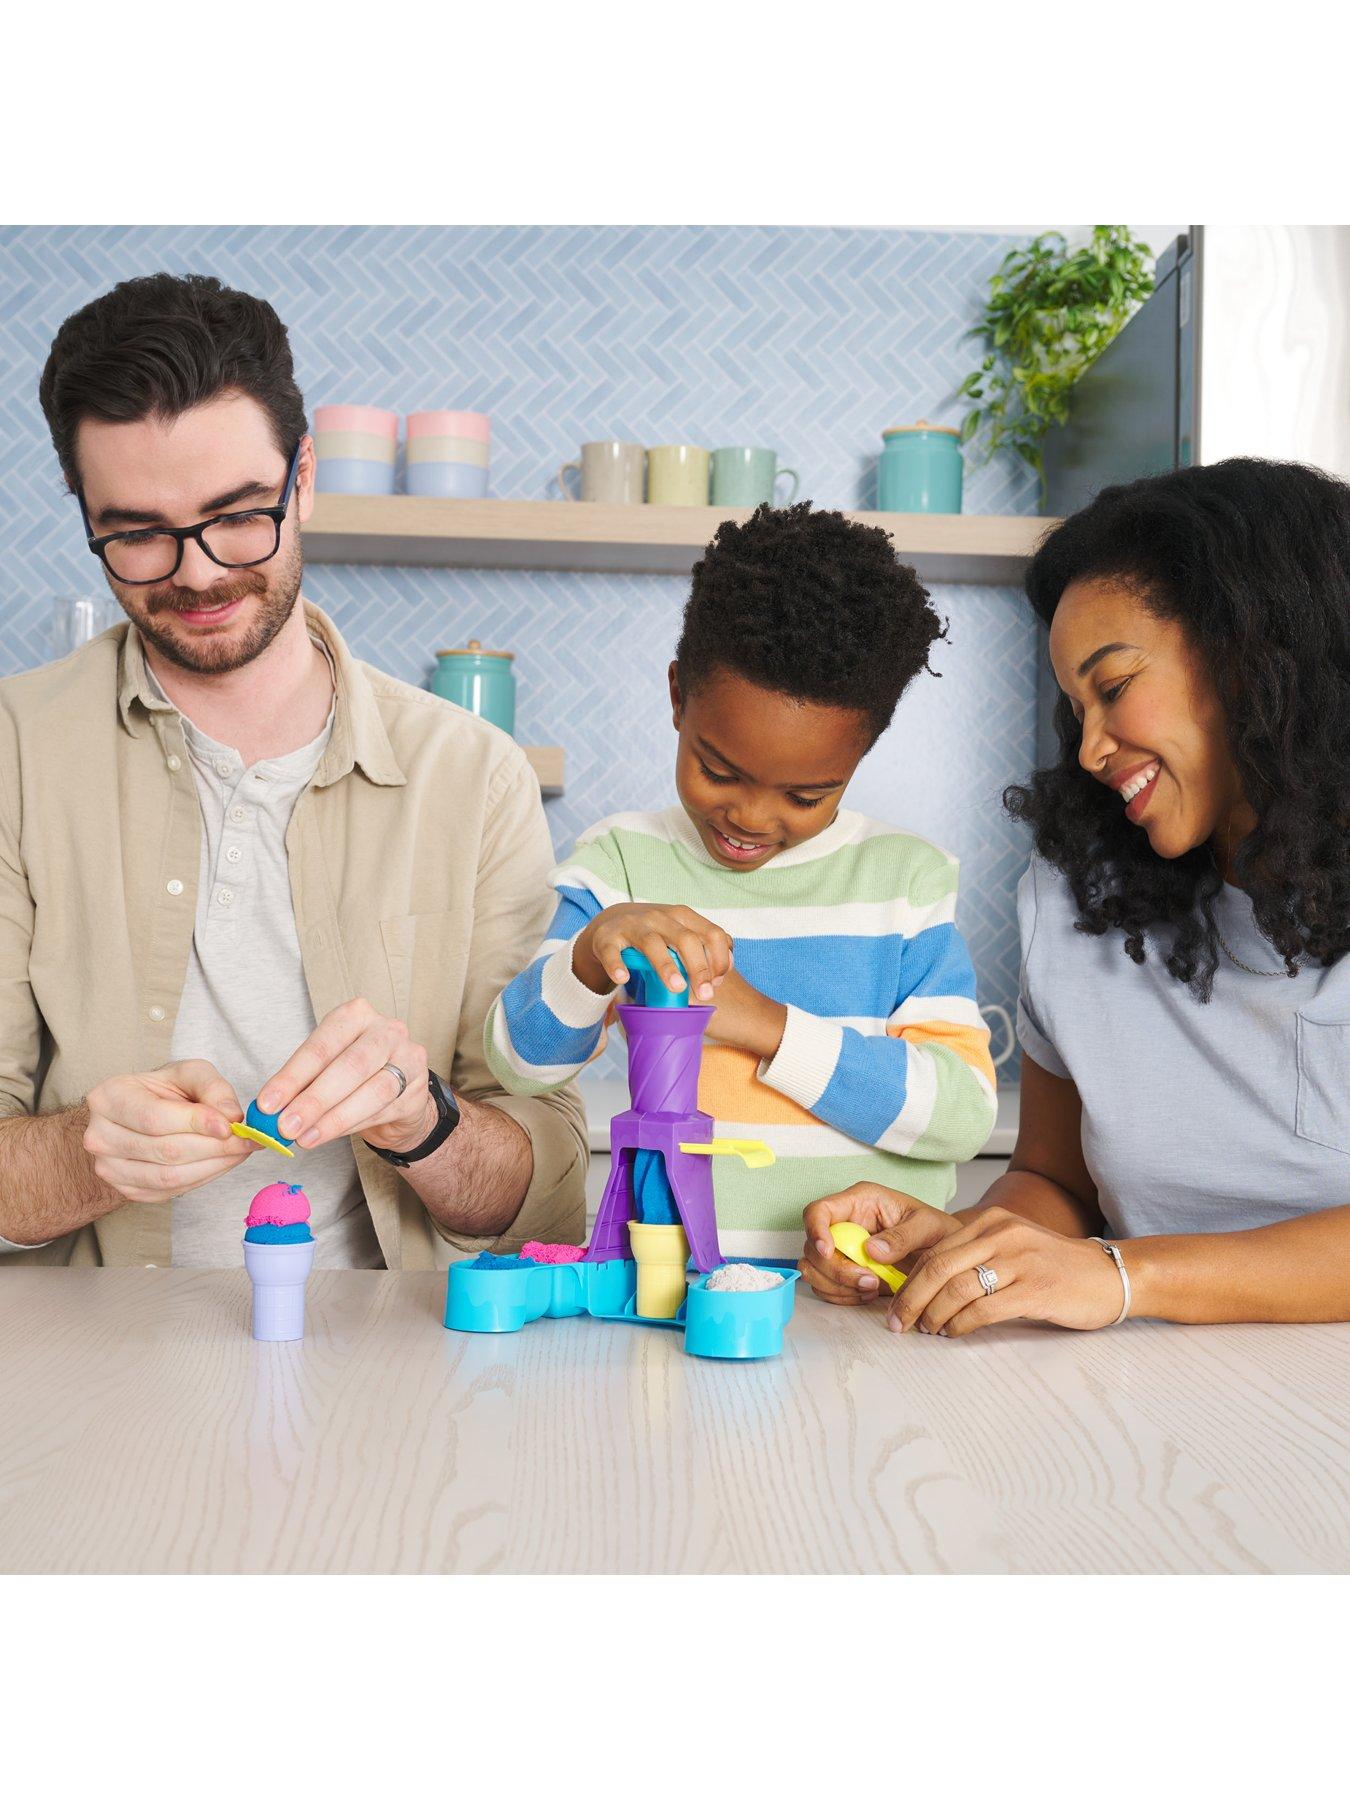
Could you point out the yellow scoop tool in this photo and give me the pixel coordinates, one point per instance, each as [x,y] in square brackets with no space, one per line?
[751,1151]
[849,1240]
[260,1137]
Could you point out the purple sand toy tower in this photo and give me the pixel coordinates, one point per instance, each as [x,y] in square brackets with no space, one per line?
[665,1048]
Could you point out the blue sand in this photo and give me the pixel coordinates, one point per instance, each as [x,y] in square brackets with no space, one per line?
[653,1195]
[486,1260]
[279,1234]
[267,1123]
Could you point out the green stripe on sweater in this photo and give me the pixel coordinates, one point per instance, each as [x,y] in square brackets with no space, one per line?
[878,870]
[773,1199]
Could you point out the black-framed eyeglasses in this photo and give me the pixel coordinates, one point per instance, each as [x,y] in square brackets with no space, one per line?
[233,540]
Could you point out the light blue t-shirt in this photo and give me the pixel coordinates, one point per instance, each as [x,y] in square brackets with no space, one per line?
[1215,1117]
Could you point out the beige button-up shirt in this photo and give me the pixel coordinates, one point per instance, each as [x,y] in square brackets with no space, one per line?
[419,862]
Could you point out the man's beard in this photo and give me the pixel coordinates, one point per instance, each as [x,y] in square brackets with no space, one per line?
[219,654]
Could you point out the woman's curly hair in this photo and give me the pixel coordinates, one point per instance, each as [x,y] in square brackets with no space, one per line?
[809,604]
[1252,559]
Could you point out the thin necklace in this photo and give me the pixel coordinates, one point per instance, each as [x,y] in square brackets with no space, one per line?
[1238,960]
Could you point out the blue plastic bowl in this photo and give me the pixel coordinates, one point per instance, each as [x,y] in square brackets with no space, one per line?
[737,1326]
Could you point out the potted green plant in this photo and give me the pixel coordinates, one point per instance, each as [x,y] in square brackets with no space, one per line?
[1050,313]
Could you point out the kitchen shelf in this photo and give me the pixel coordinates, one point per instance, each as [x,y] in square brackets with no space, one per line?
[547,762]
[640,540]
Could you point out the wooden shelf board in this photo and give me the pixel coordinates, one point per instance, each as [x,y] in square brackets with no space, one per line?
[660,540]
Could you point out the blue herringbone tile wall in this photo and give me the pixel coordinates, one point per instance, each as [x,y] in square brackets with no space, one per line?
[811,340]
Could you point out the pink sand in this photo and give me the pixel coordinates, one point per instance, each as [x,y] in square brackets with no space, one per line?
[554,1253]
[279,1204]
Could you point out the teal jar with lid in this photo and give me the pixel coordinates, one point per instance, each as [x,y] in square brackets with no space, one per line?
[920,469]
[481,681]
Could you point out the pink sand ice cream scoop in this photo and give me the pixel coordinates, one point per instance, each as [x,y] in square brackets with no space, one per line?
[279,1254]
[281,1203]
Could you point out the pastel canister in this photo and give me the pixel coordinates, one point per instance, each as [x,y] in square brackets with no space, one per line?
[356,449]
[481,681]
[448,455]
[920,469]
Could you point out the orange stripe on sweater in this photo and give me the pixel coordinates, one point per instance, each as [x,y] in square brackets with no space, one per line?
[969,1042]
[729,1088]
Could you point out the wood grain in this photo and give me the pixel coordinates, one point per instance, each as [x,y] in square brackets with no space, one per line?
[141,1429]
[663,540]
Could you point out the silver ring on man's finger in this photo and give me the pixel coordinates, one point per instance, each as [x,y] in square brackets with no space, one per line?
[988,1279]
[399,1076]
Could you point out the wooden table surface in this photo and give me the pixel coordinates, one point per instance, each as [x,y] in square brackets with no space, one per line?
[141,1429]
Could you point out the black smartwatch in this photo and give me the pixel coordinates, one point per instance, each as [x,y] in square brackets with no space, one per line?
[447,1117]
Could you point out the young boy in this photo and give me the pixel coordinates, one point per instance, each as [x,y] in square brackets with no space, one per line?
[846,1033]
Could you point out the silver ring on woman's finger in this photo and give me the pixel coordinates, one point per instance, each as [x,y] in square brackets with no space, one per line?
[399,1076]
[988,1279]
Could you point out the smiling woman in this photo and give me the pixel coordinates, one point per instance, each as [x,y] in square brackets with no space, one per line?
[1185,1003]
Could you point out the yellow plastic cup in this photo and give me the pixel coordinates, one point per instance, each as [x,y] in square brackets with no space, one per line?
[660,1252]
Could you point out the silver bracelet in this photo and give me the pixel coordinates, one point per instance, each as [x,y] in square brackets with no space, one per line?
[1121,1270]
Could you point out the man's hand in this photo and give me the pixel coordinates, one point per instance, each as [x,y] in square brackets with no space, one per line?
[336,1084]
[901,1228]
[157,1135]
[704,948]
[747,1019]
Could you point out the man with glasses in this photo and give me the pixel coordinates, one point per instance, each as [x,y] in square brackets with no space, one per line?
[241,862]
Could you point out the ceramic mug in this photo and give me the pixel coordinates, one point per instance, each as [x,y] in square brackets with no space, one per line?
[742,476]
[612,473]
[1007,1050]
[677,475]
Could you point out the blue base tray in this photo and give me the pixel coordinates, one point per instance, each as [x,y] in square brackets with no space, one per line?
[727,1325]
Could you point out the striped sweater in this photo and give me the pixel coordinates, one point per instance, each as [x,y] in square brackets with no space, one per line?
[884,1071]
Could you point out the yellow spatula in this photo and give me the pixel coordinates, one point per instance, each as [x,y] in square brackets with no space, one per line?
[751,1151]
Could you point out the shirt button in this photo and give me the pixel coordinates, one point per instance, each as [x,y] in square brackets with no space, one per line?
[175,763]
[174,887]
[152,1265]
[223,767]
[234,854]
[238,814]
[157,1013]
[226,897]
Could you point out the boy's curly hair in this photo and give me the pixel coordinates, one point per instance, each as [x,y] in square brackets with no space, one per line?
[1252,558]
[811,605]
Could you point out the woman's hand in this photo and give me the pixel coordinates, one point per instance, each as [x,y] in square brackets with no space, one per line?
[1041,1275]
[901,1227]
[704,948]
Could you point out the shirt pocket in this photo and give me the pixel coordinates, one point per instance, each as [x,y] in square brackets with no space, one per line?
[1322,1114]
[427,954]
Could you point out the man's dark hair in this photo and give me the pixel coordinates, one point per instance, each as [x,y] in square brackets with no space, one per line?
[1252,559]
[810,605]
[159,344]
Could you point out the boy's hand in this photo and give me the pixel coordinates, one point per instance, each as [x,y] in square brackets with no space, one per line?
[747,1019]
[704,948]
[901,1227]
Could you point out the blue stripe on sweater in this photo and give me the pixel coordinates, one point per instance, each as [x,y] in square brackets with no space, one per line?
[538,1035]
[857,977]
[867,1090]
[937,961]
